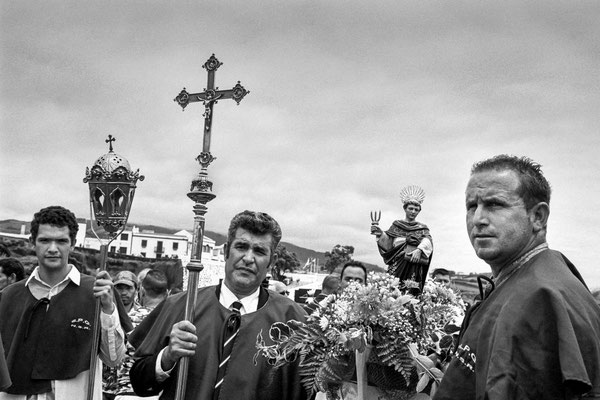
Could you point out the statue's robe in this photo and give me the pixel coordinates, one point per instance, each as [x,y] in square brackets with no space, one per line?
[392,247]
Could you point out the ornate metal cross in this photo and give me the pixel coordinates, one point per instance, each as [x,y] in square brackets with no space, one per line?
[209,97]
[201,191]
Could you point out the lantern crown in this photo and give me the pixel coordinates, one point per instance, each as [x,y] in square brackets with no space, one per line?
[112,185]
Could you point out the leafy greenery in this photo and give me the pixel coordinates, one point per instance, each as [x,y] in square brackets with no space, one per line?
[401,333]
[338,256]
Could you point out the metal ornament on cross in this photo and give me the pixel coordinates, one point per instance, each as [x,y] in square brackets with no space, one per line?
[201,191]
[112,185]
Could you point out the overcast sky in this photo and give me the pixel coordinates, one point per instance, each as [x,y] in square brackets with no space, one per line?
[350,101]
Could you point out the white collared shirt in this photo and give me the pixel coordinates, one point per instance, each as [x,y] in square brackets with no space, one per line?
[249,303]
[112,345]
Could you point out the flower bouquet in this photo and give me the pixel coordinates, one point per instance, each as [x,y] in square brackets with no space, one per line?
[378,335]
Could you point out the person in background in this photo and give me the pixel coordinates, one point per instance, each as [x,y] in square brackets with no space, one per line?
[239,306]
[330,285]
[11,271]
[441,276]
[536,334]
[154,288]
[353,271]
[46,320]
[4,251]
[126,284]
[140,278]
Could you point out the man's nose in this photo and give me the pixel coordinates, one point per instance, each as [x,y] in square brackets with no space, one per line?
[52,247]
[480,216]
[248,257]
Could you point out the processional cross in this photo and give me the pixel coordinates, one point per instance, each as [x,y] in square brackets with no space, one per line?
[201,190]
[209,97]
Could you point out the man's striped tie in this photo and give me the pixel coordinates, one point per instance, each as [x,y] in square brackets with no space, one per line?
[230,331]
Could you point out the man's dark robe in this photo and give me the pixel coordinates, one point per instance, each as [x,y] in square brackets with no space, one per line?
[398,266]
[4,376]
[243,380]
[537,336]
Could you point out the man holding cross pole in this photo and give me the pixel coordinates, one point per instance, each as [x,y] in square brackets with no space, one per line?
[207,337]
[217,370]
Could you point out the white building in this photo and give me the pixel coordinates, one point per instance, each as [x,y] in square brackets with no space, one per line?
[149,244]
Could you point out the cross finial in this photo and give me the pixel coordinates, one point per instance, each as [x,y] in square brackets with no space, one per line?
[109,141]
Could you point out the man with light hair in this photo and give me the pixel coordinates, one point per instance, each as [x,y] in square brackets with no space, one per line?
[536,334]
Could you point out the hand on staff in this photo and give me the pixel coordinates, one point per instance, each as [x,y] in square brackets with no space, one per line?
[182,343]
[103,288]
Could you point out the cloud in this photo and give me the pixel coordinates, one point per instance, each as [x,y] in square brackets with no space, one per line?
[347,104]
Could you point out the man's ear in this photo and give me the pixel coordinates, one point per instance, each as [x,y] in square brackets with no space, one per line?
[274,259]
[539,216]
[226,251]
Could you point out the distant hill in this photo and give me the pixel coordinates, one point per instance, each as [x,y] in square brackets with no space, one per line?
[13,226]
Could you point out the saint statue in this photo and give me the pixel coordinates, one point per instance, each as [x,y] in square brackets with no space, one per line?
[406,247]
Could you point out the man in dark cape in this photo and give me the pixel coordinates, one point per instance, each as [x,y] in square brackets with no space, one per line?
[536,334]
[4,376]
[163,338]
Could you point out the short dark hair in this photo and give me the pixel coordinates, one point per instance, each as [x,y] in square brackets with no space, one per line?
[331,283]
[155,283]
[440,271]
[56,216]
[9,266]
[533,188]
[257,223]
[4,251]
[353,263]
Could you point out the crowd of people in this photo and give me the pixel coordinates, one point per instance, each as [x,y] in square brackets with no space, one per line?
[533,333]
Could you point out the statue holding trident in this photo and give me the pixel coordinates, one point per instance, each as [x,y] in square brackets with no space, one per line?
[407,246]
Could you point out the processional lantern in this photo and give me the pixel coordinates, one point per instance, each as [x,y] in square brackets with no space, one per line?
[112,185]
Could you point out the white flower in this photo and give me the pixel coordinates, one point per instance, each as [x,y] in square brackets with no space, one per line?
[324,323]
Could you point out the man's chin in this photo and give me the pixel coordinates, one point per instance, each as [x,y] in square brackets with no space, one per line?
[486,254]
[245,282]
[54,263]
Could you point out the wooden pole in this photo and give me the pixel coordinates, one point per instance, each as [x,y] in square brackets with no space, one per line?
[96,330]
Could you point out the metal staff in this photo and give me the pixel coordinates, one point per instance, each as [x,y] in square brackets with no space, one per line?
[201,191]
[112,186]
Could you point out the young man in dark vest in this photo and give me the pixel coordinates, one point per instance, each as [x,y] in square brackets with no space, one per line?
[46,320]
